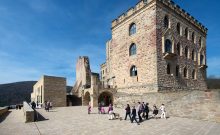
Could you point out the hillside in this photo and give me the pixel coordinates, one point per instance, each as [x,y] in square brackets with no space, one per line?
[15,93]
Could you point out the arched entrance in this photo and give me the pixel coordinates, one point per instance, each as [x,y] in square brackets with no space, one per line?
[105,98]
[86,99]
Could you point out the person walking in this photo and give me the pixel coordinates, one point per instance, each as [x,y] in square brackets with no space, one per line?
[48,106]
[128,112]
[163,111]
[133,118]
[89,108]
[33,105]
[99,108]
[110,112]
[139,111]
[146,109]
[51,105]
[143,110]
[155,111]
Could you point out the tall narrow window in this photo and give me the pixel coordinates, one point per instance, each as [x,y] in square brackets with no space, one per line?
[166,22]
[200,42]
[132,29]
[193,37]
[178,28]
[168,46]
[186,51]
[168,69]
[193,74]
[133,71]
[193,55]
[186,33]
[132,50]
[177,70]
[178,49]
[201,59]
[185,72]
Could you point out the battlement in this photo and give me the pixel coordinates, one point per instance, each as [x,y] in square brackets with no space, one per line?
[169,3]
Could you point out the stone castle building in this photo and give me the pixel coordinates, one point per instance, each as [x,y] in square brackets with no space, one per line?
[50,88]
[157,54]
[155,46]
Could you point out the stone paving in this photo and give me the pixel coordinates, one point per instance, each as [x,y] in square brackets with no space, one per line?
[76,121]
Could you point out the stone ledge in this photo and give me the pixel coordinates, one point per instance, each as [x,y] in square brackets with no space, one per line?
[28,112]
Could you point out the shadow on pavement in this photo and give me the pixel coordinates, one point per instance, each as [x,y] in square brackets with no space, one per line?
[39,117]
[4,116]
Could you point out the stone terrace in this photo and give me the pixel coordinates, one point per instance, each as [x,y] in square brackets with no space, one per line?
[75,121]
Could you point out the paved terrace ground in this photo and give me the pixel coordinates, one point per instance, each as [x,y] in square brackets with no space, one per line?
[76,121]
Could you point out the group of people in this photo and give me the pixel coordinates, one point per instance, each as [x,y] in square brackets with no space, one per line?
[143,112]
[48,105]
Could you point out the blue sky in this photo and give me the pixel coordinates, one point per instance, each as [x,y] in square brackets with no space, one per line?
[46,36]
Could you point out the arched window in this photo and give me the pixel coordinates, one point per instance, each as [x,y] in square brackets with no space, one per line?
[133,71]
[177,70]
[168,69]
[166,22]
[168,46]
[178,28]
[193,55]
[186,51]
[185,72]
[178,49]
[201,59]
[186,33]
[193,74]
[132,50]
[193,37]
[132,29]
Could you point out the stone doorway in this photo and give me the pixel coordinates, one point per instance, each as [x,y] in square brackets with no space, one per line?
[86,99]
[105,98]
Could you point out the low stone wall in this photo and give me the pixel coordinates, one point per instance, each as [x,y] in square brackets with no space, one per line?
[28,112]
[3,110]
[202,105]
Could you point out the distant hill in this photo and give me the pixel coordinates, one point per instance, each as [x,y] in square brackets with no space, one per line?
[15,93]
[213,83]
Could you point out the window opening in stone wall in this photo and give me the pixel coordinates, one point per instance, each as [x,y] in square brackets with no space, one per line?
[132,29]
[178,49]
[166,22]
[201,59]
[186,52]
[178,28]
[193,74]
[193,55]
[193,37]
[177,70]
[168,46]
[132,50]
[168,69]
[185,72]
[133,71]
[200,42]
[186,33]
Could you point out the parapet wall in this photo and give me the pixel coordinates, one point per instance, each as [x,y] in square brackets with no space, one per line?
[28,113]
[3,110]
[199,105]
[169,3]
